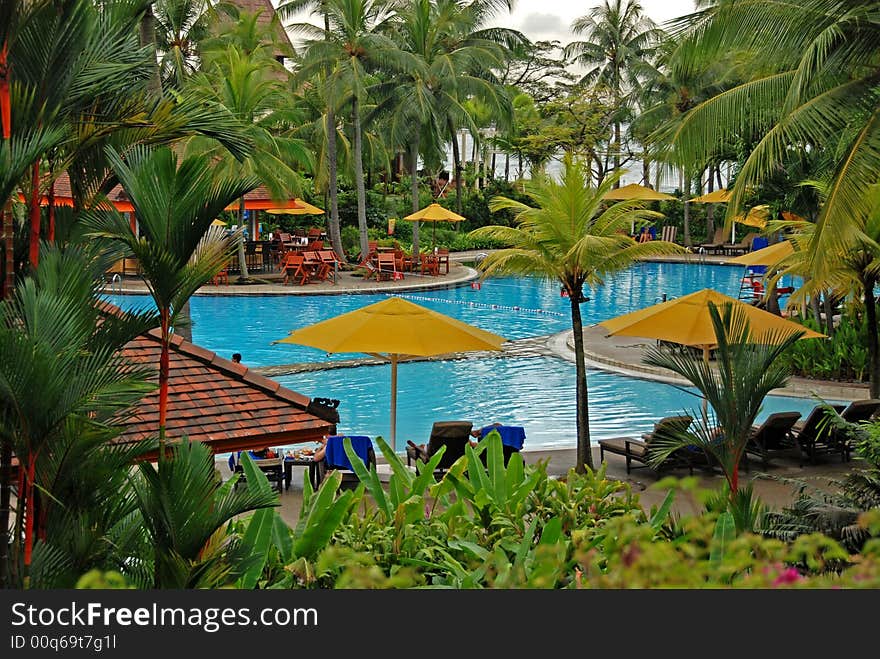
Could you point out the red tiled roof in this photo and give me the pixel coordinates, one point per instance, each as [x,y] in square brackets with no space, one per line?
[212,400]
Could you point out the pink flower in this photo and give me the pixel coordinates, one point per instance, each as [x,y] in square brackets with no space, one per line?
[787,576]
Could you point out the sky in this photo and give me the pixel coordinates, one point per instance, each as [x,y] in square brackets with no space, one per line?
[549,20]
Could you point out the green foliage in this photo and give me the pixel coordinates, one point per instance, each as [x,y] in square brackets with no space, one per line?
[97,580]
[842,356]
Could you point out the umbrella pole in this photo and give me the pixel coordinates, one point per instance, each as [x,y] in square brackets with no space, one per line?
[394,403]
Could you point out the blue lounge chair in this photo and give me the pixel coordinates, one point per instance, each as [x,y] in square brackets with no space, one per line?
[335,458]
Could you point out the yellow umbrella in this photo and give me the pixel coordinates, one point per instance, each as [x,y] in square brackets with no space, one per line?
[301,208]
[636,191]
[686,320]
[721,196]
[756,217]
[391,329]
[434,213]
[218,223]
[766,256]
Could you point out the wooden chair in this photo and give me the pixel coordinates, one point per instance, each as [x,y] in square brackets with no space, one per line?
[328,257]
[316,244]
[317,269]
[294,267]
[314,234]
[372,249]
[402,260]
[386,266]
[668,233]
[442,259]
[430,264]
[222,276]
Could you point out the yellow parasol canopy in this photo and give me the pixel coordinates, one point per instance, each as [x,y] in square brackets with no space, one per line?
[756,217]
[766,256]
[393,328]
[218,223]
[721,196]
[636,191]
[686,320]
[301,208]
[434,213]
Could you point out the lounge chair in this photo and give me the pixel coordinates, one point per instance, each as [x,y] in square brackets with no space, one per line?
[742,246]
[668,233]
[639,450]
[454,435]
[717,243]
[856,412]
[512,438]
[336,459]
[272,467]
[774,437]
[815,437]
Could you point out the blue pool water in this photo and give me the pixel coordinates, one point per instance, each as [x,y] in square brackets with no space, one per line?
[506,306]
[537,393]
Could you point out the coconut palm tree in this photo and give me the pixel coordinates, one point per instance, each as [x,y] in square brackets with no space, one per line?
[350,49]
[60,369]
[450,66]
[745,372]
[175,204]
[618,38]
[330,129]
[570,235]
[810,87]
[180,27]
[246,85]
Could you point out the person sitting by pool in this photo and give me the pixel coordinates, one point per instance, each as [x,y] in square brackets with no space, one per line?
[236,358]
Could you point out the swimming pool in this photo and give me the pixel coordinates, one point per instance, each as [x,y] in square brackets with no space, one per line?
[513,307]
[537,393]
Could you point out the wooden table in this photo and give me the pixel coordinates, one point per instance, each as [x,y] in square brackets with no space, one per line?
[291,462]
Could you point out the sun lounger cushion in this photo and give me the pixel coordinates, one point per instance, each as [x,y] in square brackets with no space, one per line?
[512,436]
[335,454]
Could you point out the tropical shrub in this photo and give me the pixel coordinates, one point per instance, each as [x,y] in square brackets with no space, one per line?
[843,356]
[484,525]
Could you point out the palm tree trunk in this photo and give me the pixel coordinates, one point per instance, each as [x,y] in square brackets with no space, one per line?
[164,372]
[414,174]
[34,212]
[148,38]
[359,177]
[710,212]
[50,205]
[456,164]
[243,275]
[5,511]
[829,315]
[584,452]
[687,208]
[617,148]
[335,231]
[646,171]
[8,251]
[868,283]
